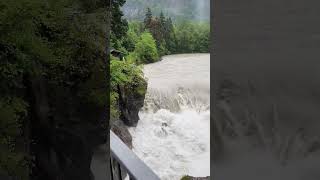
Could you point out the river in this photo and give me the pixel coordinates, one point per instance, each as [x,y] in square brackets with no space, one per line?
[173,133]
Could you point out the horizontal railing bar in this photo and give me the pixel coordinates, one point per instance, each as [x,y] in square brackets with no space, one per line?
[136,168]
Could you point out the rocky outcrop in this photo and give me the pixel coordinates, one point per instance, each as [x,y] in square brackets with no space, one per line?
[131,100]
[121,130]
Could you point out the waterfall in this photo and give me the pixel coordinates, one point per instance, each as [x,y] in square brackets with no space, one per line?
[173,134]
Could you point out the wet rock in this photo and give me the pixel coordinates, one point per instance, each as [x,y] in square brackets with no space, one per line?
[164,124]
[121,130]
[131,100]
[65,127]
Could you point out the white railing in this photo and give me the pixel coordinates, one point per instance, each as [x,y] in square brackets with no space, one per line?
[124,161]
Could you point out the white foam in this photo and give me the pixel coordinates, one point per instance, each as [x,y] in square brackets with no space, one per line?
[173,133]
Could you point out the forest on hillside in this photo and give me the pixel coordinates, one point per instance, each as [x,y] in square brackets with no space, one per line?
[197,10]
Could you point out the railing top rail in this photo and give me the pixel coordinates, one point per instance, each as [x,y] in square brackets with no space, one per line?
[135,167]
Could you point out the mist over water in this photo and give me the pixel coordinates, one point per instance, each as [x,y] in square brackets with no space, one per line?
[173,134]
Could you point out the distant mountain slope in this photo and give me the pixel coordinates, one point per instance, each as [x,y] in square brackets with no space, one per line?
[178,9]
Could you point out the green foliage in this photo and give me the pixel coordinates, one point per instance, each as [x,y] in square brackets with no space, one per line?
[192,37]
[170,38]
[148,19]
[146,49]
[119,25]
[123,73]
[114,112]
[130,41]
[132,57]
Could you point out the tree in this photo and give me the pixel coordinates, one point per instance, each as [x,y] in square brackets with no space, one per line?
[148,19]
[162,18]
[192,37]
[169,36]
[146,49]
[119,25]
[162,23]
[130,40]
[180,37]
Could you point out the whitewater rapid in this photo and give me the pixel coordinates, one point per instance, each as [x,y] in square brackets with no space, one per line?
[173,133]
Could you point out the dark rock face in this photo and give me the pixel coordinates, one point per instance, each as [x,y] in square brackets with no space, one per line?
[120,129]
[66,128]
[131,100]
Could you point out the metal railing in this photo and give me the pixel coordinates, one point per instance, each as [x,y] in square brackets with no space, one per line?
[124,161]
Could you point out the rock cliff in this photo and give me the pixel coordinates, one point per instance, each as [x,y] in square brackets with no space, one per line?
[131,100]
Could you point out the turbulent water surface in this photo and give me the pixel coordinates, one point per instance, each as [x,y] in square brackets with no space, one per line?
[173,134]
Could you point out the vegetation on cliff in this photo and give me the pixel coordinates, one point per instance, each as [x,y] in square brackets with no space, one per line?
[124,74]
